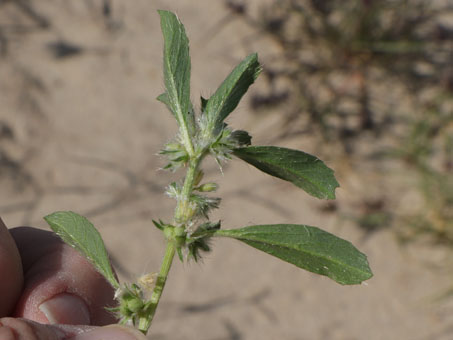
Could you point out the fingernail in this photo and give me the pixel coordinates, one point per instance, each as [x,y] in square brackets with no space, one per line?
[113,332]
[66,309]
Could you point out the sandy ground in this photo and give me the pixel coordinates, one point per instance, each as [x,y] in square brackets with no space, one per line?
[82,133]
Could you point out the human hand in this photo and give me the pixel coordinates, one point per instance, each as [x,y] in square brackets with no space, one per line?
[50,292]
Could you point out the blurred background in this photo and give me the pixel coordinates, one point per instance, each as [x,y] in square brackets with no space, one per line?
[365,85]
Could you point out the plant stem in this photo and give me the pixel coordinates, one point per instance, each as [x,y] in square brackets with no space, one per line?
[183,213]
[145,320]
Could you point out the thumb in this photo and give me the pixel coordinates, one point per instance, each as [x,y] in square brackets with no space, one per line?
[61,286]
[10,272]
[24,329]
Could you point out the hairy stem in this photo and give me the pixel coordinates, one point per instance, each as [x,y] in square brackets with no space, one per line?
[145,320]
[183,214]
[183,210]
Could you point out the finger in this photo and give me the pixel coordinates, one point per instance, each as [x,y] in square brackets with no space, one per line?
[23,329]
[10,272]
[61,286]
[19,329]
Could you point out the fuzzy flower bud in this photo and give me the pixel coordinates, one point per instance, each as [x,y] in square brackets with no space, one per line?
[207,187]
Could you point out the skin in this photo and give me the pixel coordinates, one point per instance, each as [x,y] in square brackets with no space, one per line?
[37,269]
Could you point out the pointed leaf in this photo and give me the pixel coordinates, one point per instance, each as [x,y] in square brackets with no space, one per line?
[163,98]
[230,92]
[303,170]
[307,247]
[79,233]
[176,69]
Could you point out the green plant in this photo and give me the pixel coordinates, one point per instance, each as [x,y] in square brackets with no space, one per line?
[376,76]
[189,233]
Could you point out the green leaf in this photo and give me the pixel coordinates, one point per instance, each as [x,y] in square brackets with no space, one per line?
[307,247]
[79,233]
[176,69]
[163,98]
[230,92]
[303,170]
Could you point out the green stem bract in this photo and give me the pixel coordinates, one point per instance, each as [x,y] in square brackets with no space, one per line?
[145,320]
